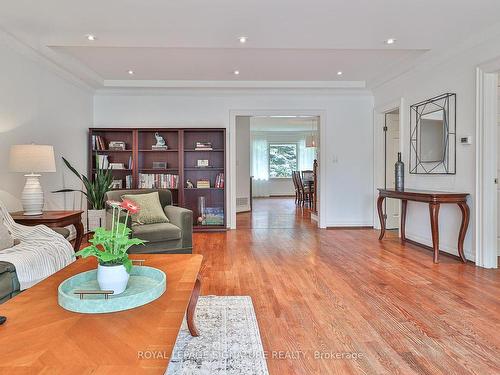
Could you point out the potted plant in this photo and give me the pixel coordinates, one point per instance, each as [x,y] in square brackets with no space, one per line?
[95,192]
[110,248]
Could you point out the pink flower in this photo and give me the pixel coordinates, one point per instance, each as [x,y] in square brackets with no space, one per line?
[130,206]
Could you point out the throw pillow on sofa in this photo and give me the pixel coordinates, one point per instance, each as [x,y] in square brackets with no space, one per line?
[6,240]
[150,209]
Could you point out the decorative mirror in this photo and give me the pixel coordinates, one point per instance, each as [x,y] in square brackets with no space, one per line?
[433,135]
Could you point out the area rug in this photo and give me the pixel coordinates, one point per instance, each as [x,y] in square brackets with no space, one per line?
[229,341]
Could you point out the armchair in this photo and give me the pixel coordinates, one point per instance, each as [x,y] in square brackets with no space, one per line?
[175,237]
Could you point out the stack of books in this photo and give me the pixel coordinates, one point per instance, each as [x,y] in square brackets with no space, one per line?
[203,146]
[98,143]
[203,183]
[158,181]
[219,181]
[159,148]
[117,146]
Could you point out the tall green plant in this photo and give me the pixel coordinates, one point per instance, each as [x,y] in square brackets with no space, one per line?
[95,190]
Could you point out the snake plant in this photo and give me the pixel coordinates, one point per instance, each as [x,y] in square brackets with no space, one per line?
[95,190]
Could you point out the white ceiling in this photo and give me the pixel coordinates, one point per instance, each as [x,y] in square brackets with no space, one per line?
[196,40]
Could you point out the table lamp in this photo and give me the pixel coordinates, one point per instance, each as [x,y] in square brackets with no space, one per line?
[32,159]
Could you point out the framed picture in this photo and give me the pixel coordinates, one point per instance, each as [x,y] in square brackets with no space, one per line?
[159,165]
[202,163]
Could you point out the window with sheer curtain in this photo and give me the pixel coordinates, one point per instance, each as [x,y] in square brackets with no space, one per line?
[306,156]
[260,160]
[276,160]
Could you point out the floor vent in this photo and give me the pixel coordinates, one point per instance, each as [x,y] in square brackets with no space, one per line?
[242,201]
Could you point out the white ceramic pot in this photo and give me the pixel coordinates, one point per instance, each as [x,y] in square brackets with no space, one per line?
[113,278]
[96,218]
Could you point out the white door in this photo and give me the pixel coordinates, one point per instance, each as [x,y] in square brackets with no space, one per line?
[392,205]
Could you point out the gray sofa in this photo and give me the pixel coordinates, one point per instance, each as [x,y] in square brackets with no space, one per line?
[175,237]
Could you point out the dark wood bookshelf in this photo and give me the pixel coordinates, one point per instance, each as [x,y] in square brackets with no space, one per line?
[181,158]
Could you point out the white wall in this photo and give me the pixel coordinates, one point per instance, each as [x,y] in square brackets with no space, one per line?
[346,134]
[37,105]
[453,73]
[243,162]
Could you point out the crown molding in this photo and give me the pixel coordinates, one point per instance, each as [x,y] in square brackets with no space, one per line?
[234,84]
[214,91]
[434,58]
[40,58]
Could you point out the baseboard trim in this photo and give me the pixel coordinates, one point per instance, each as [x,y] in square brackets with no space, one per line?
[443,249]
[430,249]
[350,227]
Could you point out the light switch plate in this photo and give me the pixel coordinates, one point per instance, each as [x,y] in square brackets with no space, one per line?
[467,140]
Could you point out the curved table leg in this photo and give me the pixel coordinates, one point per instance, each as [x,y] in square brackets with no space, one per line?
[79,235]
[380,202]
[464,207]
[434,213]
[192,308]
[404,204]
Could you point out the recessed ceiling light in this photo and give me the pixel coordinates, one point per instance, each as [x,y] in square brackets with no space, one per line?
[339,73]
[390,41]
[91,37]
[130,72]
[243,39]
[236,72]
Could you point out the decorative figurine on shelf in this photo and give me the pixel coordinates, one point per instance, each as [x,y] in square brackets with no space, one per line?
[189,184]
[160,143]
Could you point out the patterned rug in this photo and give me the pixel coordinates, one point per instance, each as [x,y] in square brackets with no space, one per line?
[229,341]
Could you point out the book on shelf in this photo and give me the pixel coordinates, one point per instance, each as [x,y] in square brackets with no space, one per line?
[219,181]
[128,182]
[203,146]
[98,143]
[102,162]
[214,216]
[203,183]
[158,181]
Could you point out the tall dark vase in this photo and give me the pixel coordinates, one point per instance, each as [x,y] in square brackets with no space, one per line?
[399,173]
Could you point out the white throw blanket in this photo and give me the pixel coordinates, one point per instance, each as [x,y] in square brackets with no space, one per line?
[40,253]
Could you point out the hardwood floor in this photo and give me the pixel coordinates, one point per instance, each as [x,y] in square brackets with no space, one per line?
[337,293]
[275,213]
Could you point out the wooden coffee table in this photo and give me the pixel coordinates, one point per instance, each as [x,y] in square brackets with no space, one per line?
[41,337]
[54,219]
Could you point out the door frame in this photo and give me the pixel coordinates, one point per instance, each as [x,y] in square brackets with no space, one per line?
[276,112]
[378,146]
[486,166]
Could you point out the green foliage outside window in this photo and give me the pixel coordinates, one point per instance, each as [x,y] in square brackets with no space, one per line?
[282,160]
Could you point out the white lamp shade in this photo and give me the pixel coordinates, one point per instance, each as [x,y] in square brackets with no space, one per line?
[32,158]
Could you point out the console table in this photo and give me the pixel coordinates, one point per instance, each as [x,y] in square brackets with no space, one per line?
[434,199]
[54,219]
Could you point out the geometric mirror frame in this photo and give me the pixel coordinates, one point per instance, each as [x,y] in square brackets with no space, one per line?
[433,135]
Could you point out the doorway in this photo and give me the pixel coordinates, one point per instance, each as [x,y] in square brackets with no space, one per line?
[269,149]
[391,149]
